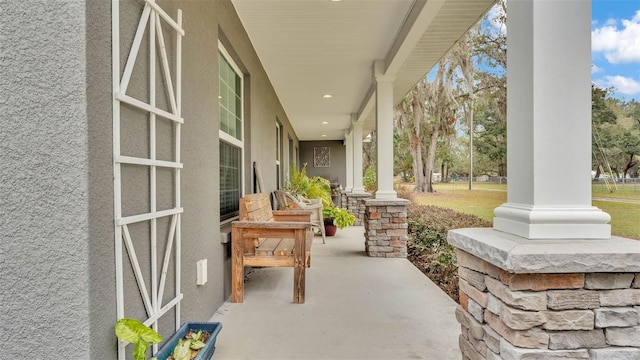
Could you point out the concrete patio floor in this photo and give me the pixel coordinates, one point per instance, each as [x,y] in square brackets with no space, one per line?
[356,307]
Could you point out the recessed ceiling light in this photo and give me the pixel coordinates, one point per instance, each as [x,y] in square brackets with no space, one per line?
[325,122]
[335,0]
[219,97]
[324,135]
[327,96]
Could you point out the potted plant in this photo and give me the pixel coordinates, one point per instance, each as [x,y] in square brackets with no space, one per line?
[336,217]
[192,339]
[316,187]
[320,188]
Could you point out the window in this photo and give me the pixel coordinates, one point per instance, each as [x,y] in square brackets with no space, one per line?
[230,180]
[291,161]
[278,154]
[231,135]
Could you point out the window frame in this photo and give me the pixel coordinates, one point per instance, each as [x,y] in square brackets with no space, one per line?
[278,161]
[226,137]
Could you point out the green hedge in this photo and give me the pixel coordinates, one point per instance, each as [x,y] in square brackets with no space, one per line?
[428,248]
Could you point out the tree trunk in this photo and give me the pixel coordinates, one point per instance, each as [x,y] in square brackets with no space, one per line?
[631,163]
[418,174]
[502,170]
[431,156]
[416,145]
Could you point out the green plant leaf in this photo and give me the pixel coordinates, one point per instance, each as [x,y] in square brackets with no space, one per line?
[140,350]
[311,188]
[128,330]
[182,351]
[149,335]
[135,332]
[196,344]
[341,217]
[131,330]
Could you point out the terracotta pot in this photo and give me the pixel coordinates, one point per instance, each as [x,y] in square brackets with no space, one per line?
[329,228]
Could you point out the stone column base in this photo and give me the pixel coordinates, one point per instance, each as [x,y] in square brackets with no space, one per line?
[354,203]
[551,299]
[385,228]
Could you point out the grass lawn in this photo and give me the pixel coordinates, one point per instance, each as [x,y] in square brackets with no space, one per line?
[621,191]
[625,217]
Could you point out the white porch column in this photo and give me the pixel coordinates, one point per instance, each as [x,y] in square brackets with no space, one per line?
[356,135]
[384,124]
[549,123]
[549,198]
[348,141]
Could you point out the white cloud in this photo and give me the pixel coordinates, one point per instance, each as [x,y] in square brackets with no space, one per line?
[601,83]
[595,69]
[619,45]
[612,22]
[623,85]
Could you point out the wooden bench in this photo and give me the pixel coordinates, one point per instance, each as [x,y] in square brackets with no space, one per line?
[263,237]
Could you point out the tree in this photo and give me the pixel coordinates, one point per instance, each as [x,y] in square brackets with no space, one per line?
[427,116]
[418,96]
[463,59]
[447,156]
[370,152]
[633,111]
[441,114]
[490,52]
[603,120]
[491,138]
[424,115]
[402,159]
[629,144]
[409,119]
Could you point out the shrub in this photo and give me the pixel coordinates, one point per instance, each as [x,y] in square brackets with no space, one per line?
[403,190]
[428,248]
[369,181]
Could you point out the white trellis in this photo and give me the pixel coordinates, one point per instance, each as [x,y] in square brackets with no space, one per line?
[152,20]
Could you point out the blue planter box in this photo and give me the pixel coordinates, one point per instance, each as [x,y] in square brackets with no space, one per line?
[205,353]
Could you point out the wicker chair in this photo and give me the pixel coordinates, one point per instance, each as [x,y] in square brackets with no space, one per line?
[288,201]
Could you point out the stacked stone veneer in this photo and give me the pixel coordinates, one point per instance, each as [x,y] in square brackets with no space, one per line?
[586,315]
[354,203]
[385,228]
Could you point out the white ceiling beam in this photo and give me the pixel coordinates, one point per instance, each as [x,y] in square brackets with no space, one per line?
[413,28]
[367,105]
[415,25]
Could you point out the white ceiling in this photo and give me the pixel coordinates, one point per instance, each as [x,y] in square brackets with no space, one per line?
[314,47]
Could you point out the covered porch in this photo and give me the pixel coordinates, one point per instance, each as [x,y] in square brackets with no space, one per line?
[246,86]
[357,307]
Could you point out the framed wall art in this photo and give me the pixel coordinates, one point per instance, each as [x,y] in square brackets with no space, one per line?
[321,156]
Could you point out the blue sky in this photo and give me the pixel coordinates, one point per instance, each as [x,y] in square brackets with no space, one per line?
[615,46]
